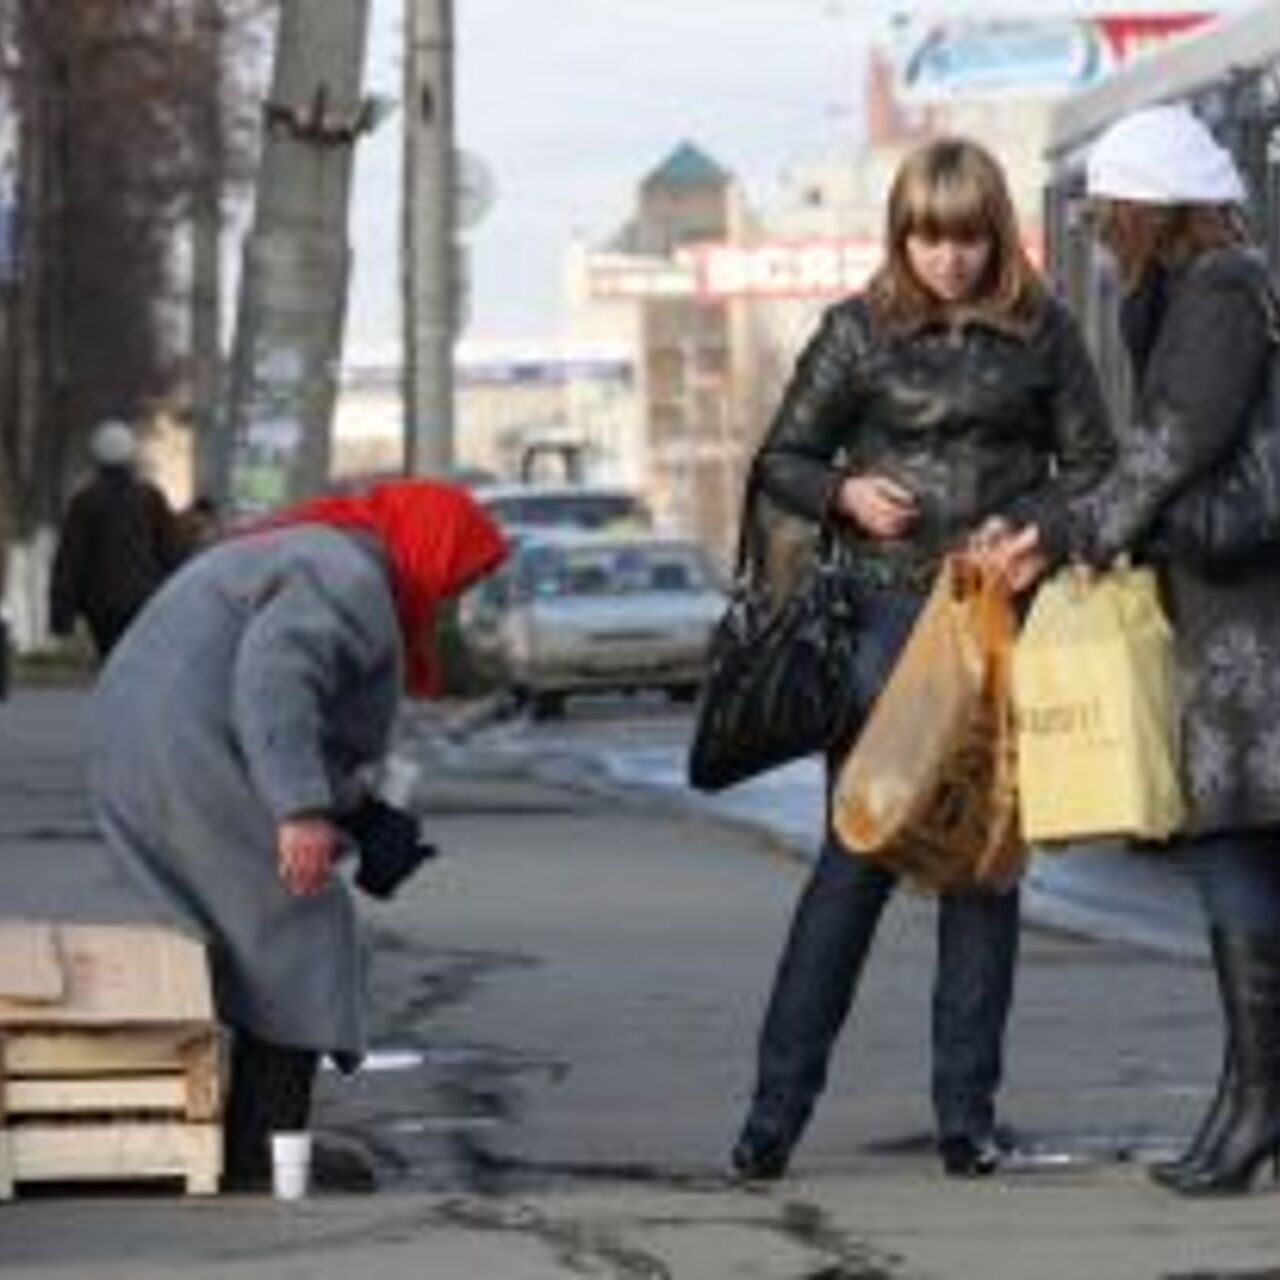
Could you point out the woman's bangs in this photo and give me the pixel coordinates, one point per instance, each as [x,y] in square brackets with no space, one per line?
[954,209]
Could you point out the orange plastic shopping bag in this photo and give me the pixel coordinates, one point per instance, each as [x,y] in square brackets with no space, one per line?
[929,789]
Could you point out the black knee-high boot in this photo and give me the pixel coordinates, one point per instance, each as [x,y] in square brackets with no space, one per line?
[270,1091]
[1251,1134]
[1214,1123]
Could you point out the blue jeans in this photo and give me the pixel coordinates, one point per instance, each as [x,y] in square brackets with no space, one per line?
[1238,876]
[831,933]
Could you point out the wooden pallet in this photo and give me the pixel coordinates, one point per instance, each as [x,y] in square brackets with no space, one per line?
[111,1104]
[118,1077]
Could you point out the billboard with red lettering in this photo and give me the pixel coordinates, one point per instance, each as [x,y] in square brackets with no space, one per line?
[937,59]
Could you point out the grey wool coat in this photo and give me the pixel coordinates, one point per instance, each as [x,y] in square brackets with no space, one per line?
[257,685]
[1202,366]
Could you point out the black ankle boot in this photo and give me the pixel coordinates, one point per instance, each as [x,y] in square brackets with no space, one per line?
[965,1157]
[760,1155]
[1250,1136]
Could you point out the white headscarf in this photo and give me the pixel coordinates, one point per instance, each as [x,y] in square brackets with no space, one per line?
[113,444]
[1162,155]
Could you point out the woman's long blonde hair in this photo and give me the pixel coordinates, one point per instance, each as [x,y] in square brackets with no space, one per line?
[952,187]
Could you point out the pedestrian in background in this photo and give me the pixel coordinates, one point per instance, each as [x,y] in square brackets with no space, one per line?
[953,392]
[231,735]
[118,542]
[199,524]
[1201,322]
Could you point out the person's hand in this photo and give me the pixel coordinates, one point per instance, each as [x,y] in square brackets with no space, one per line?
[993,531]
[878,506]
[305,849]
[1014,556]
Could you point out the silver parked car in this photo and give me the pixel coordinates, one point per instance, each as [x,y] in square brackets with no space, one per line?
[574,611]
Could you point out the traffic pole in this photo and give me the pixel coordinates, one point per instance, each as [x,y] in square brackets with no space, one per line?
[430,282]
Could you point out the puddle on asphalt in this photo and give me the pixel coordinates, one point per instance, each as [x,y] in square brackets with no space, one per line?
[428,1113]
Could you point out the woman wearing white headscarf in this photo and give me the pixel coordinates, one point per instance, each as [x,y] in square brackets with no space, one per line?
[1198,318]
[118,542]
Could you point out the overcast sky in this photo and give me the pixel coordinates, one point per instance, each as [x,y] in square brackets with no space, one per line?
[570,102]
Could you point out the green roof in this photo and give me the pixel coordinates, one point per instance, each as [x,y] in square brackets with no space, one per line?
[688,166]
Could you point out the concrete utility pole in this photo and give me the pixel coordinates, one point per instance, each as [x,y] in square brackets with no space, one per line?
[293,290]
[430,262]
[210,463]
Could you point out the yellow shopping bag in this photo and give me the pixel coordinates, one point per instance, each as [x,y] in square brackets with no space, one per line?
[1097,723]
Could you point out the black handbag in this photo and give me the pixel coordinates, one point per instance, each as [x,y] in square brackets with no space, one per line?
[781,682]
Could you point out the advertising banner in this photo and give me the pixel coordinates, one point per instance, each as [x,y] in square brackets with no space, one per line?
[945,59]
[783,269]
[717,271]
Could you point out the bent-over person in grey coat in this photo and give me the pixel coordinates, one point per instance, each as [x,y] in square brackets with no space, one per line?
[230,733]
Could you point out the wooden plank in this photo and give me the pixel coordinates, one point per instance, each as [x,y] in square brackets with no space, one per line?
[202,1080]
[166,1094]
[204,1170]
[105,1052]
[30,967]
[117,1151]
[122,975]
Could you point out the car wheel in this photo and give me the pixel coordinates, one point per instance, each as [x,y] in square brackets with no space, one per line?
[546,706]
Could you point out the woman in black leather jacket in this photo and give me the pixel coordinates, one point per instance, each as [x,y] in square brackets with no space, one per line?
[1195,492]
[954,394]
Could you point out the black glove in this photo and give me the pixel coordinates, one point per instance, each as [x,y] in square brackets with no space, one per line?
[391,847]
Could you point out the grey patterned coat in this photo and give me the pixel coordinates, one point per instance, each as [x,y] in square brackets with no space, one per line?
[1204,376]
[253,687]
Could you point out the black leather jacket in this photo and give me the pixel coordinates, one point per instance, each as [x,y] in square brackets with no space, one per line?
[976,420]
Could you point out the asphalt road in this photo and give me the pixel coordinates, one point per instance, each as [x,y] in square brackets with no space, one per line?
[564,1012]
[610,955]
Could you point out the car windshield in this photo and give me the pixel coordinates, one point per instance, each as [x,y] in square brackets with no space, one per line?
[612,571]
[571,510]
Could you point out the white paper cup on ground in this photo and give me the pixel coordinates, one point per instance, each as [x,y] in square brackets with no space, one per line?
[290,1165]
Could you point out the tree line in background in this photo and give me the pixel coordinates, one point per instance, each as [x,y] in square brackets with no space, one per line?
[129,125]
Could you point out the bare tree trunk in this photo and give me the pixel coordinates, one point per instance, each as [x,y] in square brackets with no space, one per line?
[37,108]
[29,501]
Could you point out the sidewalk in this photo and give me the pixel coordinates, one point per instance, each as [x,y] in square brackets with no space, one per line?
[628,950]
